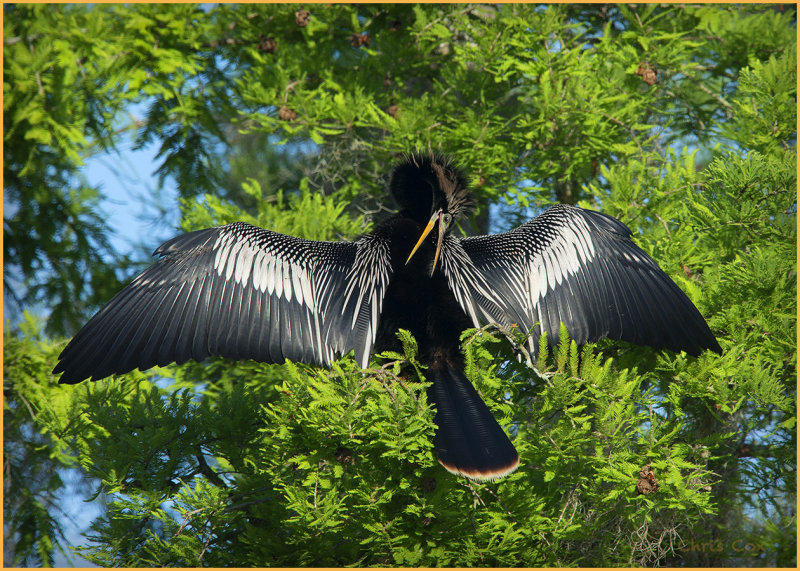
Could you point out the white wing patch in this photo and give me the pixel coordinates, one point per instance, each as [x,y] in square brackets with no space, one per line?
[467,282]
[369,278]
[523,266]
[313,284]
[569,249]
[240,258]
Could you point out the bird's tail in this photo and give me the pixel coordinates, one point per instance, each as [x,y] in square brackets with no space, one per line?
[468,441]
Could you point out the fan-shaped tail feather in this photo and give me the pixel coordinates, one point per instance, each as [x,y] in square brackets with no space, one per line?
[469,441]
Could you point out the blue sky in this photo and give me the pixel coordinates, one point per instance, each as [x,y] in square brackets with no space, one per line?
[126,180]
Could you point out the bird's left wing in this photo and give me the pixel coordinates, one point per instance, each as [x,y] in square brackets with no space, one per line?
[576,267]
[238,291]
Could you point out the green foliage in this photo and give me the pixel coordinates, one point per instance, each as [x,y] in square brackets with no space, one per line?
[34,417]
[320,217]
[300,466]
[680,120]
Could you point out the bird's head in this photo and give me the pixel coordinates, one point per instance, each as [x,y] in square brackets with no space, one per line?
[433,192]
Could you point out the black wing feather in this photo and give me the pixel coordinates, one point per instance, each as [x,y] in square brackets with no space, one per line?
[578,267]
[238,291]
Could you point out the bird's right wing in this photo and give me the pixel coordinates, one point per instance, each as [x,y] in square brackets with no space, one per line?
[577,267]
[238,291]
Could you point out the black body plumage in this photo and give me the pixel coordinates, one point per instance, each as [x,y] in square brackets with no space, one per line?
[239,291]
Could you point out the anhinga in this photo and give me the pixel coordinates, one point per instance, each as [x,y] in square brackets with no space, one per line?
[240,291]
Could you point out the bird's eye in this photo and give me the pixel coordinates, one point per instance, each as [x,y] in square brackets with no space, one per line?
[447,218]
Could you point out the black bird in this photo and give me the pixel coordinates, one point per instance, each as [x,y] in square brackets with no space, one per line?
[240,291]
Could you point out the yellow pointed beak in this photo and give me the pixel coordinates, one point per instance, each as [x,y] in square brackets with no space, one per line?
[437,216]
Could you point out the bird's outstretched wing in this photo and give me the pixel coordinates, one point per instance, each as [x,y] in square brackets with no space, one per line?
[238,291]
[578,267]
